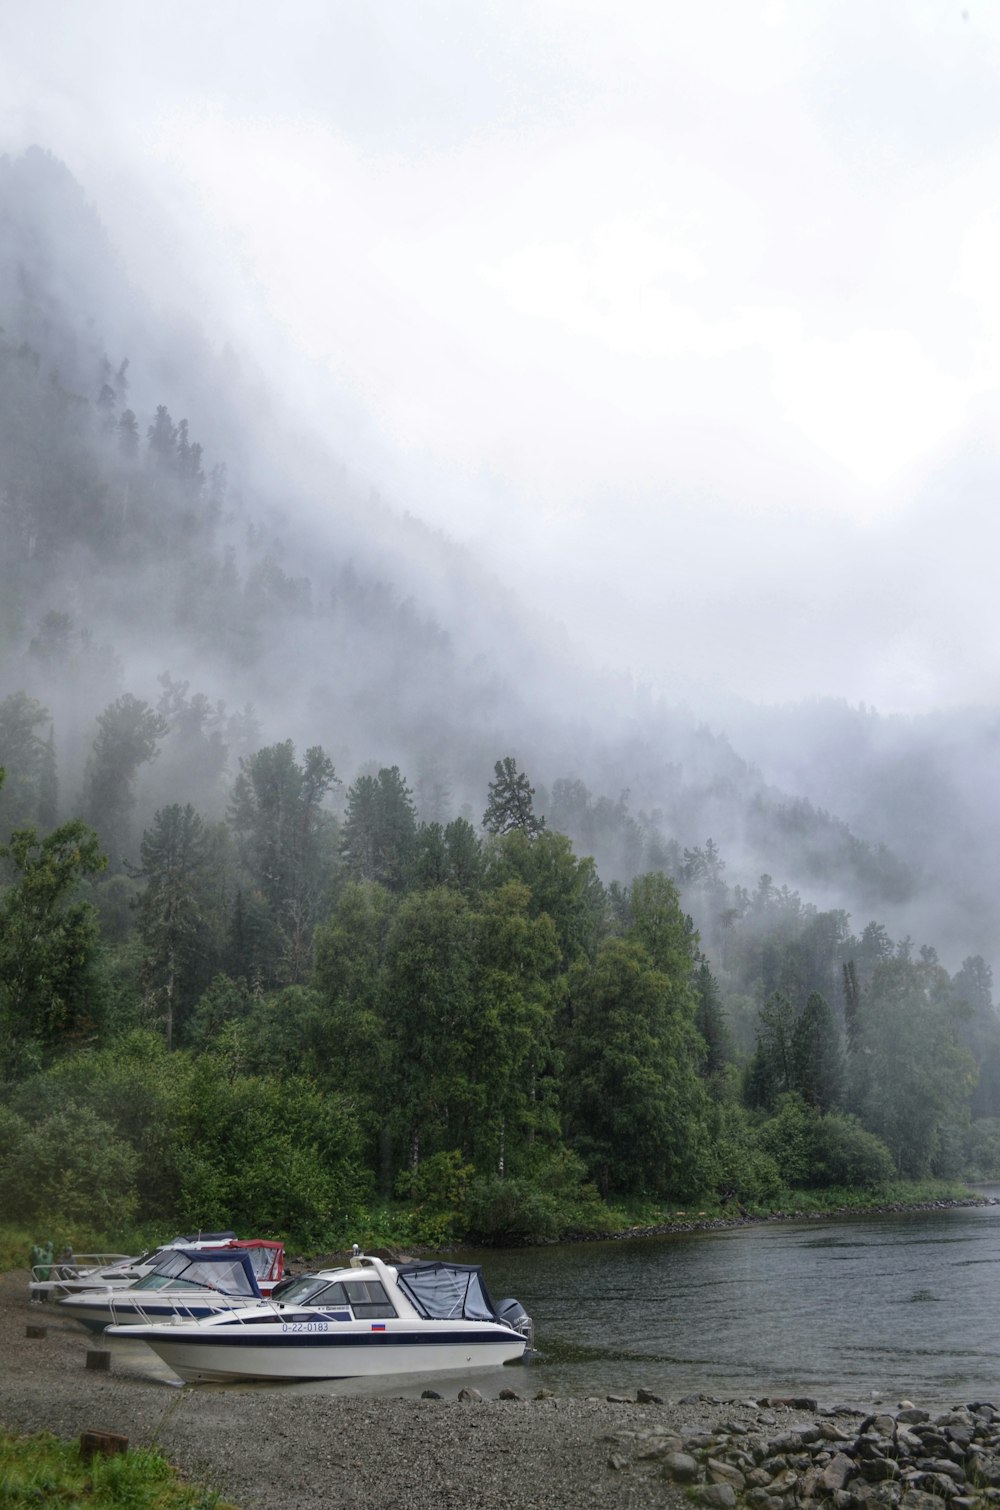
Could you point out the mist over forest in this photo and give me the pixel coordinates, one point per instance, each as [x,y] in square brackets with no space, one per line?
[280,590]
[196,591]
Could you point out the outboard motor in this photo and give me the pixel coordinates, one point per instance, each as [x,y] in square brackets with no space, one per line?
[513,1313]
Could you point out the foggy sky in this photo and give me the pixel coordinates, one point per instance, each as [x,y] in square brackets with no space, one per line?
[684,316]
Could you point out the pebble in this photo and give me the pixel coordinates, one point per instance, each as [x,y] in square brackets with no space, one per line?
[260,1446]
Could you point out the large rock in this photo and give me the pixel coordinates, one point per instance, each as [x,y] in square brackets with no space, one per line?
[681,1467]
[716,1496]
[719,1472]
[837,1472]
[662,1447]
[919,1499]
[878,1470]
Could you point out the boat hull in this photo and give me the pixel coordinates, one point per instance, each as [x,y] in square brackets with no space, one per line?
[200,1354]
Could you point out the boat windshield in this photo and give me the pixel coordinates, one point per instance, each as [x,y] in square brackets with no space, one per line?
[185,1271]
[444,1292]
[308,1291]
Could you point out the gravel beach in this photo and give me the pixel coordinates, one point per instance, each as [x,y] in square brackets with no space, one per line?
[274,1446]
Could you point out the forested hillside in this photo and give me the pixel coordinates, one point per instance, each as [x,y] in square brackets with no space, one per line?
[331,876]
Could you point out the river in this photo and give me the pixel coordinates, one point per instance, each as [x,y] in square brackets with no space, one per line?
[901,1306]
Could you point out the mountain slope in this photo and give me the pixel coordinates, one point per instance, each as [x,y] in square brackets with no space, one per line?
[207,554]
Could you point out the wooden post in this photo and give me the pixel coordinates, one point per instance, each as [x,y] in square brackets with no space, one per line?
[101,1444]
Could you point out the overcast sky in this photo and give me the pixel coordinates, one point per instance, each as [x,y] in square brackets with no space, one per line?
[686,315]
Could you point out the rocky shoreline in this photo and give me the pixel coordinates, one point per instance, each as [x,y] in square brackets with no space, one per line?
[266,1446]
[702,1223]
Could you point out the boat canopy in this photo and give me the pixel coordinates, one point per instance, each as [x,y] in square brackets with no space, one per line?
[267,1257]
[230,1270]
[444,1292]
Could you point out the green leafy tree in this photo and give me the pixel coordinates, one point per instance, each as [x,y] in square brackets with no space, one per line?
[845,1154]
[464,859]
[743,1172]
[511,802]
[430,1012]
[179,921]
[657,922]
[511,1051]
[223,1003]
[380,829]
[128,737]
[285,841]
[771,1071]
[51,989]
[67,1167]
[272,1154]
[817,1056]
[349,976]
[711,1022]
[788,1137]
[25,756]
[912,1079]
[137,1092]
[636,1108]
[562,886]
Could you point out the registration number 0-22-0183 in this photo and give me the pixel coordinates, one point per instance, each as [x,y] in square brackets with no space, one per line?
[305,1326]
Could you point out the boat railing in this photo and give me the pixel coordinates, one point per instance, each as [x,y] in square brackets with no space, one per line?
[127,1310]
[75,1268]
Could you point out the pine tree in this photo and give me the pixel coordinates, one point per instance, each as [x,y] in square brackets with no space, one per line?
[817,1057]
[510,803]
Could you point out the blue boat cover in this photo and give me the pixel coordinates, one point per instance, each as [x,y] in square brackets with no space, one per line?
[444,1292]
[230,1270]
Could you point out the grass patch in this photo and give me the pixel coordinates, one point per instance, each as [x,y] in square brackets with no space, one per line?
[832,1199]
[43,1469]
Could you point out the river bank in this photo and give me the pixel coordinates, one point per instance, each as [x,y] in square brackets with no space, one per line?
[683,1223]
[677,1226]
[262,1447]
[501,1447]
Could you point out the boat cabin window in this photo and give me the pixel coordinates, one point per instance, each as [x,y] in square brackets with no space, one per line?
[312,1290]
[367,1298]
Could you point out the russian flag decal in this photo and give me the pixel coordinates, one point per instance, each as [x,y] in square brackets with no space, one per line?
[378,1326]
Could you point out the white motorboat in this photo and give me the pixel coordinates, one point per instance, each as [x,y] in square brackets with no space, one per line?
[102,1271]
[368,1318]
[187,1282]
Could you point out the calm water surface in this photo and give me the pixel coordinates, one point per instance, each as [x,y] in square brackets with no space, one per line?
[901,1306]
[898,1307]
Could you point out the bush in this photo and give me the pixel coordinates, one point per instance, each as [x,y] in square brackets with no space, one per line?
[554,1198]
[742,1172]
[269,1153]
[510,1211]
[69,1167]
[844,1153]
[788,1137]
[438,1187]
[982,1149]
